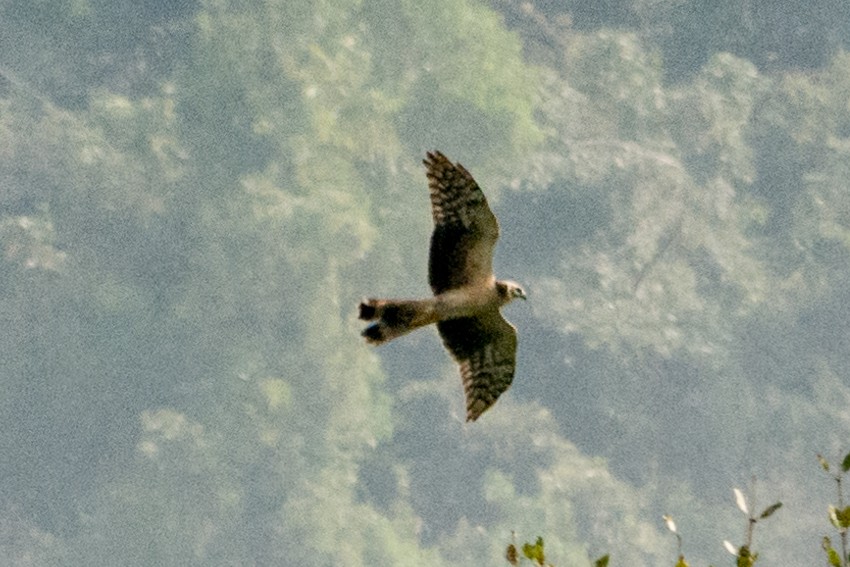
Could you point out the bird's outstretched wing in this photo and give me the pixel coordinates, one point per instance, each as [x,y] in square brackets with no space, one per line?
[465,229]
[485,348]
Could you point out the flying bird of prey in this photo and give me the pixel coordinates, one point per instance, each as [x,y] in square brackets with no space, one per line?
[467,296]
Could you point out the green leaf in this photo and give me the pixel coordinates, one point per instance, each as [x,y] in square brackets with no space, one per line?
[770,510]
[824,464]
[840,518]
[745,557]
[833,517]
[602,561]
[843,517]
[535,552]
[845,464]
[831,555]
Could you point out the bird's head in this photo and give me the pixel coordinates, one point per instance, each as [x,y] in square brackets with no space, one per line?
[508,291]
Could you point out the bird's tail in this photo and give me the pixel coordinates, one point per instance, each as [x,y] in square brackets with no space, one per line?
[394,317]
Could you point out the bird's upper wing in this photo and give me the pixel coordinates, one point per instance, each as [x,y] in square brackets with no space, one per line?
[465,229]
[485,348]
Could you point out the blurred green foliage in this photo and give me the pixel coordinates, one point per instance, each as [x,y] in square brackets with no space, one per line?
[194,195]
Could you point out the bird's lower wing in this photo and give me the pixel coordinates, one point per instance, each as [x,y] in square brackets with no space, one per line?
[484,347]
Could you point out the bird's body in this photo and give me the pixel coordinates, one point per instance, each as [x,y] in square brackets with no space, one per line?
[400,316]
[467,296]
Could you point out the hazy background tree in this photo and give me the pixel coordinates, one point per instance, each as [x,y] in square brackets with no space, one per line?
[194,195]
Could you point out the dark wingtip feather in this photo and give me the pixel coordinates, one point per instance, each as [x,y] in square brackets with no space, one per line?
[475,409]
[433,157]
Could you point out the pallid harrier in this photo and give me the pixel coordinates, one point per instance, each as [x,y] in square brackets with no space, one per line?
[467,296]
